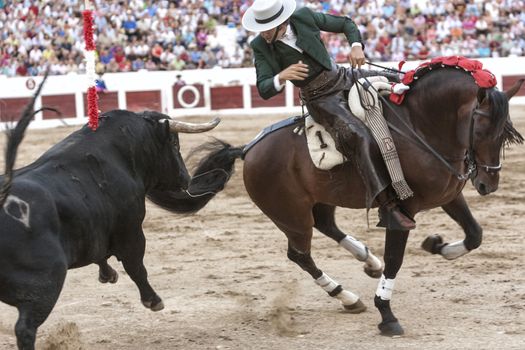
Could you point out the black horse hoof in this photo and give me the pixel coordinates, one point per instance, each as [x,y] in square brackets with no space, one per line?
[155,305]
[432,244]
[373,273]
[390,329]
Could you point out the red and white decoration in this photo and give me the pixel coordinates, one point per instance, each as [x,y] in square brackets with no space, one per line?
[90,55]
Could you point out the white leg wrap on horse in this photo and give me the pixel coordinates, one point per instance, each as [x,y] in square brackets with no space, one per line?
[373,262]
[454,250]
[358,249]
[326,283]
[347,298]
[329,285]
[385,288]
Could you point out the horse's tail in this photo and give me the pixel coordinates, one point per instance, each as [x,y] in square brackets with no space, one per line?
[14,138]
[211,175]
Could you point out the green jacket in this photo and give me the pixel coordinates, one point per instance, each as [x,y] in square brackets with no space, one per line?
[308,26]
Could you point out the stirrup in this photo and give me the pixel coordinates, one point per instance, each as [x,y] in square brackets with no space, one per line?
[388,220]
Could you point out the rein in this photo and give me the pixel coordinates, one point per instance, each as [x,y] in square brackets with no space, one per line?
[385,68]
[469,158]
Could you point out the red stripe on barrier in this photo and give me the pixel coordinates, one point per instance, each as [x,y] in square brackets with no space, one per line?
[64,103]
[225,97]
[278,100]
[11,108]
[138,101]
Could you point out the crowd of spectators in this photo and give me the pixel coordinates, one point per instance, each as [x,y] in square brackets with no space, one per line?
[183,34]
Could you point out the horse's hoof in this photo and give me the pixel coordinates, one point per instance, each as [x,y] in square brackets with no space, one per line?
[373,273]
[355,308]
[153,307]
[111,279]
[432,244]
[390,329]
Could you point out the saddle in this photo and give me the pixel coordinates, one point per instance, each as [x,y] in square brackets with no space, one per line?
[321,145]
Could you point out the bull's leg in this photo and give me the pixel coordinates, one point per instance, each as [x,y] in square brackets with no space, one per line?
[299,245]
[37,301]
[324,216]
[132,260]
[460,212]
[395,244]
[106,273]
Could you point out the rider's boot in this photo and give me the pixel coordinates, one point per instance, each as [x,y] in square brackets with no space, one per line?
[391,216]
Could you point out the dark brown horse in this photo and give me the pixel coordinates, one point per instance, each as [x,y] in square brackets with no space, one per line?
[464,124]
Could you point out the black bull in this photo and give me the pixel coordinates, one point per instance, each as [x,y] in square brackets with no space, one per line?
[83,201]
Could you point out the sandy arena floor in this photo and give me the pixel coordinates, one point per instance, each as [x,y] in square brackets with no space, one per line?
[227,284]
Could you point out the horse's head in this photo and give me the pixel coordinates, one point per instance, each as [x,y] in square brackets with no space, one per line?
[491,130]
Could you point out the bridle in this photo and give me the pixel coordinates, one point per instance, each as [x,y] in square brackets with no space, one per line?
[470,157]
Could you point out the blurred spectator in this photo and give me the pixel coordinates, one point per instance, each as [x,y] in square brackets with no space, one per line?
[184,34]
[179,81]
[100,84]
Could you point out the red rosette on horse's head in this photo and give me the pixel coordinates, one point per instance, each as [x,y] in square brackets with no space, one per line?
[484,78]
[470,65]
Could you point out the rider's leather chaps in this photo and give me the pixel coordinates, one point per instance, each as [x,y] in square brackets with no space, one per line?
[326,98]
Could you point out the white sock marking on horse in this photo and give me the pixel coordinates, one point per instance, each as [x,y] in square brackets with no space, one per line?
[361,252]
[357,248]
[454,250]
[373,262]
[23,209]
[385,288]
[346,297]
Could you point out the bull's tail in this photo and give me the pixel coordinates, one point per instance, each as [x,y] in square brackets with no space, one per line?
[14,138]
[210,177]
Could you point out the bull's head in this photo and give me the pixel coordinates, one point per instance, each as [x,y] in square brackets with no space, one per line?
[176,175]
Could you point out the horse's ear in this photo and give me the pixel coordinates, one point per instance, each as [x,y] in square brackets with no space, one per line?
[515,88]
[482,93]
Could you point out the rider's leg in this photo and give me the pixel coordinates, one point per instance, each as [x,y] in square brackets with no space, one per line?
[355,141]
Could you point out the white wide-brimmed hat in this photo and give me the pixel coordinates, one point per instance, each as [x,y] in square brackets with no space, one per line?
[267,14]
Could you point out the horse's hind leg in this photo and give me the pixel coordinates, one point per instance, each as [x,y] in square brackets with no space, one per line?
[106,273]
[299,245]
[460,212]
[324,217]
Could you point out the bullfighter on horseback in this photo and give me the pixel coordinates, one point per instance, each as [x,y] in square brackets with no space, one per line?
[289,47]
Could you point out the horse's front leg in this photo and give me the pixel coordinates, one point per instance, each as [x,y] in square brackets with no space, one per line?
[395,243]
[460,212]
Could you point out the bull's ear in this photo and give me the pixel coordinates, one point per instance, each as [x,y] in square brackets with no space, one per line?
[482,93]
[515,88]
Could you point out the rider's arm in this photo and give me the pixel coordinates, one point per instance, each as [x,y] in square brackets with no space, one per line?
[337,24]
[265,75]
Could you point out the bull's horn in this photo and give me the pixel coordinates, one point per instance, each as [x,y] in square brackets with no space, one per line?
[184,127]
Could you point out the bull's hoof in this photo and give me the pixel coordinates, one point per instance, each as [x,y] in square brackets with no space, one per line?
[154,306]
[390,328]
[433,244]
[373,273]
[355,308]
[112,278]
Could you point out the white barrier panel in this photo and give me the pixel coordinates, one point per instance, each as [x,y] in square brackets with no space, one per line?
[214,91]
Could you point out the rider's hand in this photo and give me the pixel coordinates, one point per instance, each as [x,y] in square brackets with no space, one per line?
[357,56]
[297,71]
